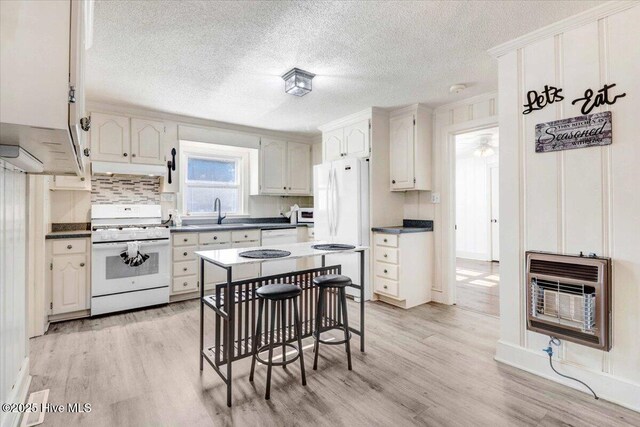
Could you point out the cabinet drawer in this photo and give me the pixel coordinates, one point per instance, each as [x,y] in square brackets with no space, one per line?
[184,284]
[387,271]
[71,246]
[214,237]
[184,253]
[245,235]
[384,286]
[185,239]
[185,268]
[383,239]
[385,254]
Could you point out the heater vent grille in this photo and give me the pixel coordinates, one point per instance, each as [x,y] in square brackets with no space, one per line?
[568,270]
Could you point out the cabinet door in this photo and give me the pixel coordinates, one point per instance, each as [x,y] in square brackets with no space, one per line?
[273,166]
[401,152]
[212,273]
[110,138]
[147,142]
[69,283]
[298,168]
[68,182]
[356,139]
[332,144]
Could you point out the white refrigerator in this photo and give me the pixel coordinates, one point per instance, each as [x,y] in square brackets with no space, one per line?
[341,213]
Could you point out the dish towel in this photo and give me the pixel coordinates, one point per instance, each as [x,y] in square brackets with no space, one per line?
[132,256]
[132,249]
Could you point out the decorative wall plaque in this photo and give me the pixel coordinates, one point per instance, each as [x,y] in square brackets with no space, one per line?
[576,132]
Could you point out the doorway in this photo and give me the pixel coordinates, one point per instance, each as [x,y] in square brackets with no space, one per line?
[477,245]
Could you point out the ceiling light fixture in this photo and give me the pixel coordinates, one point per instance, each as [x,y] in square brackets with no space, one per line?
[457,88]
[297,82]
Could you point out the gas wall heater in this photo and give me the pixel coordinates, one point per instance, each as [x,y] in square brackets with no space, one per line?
[569,297]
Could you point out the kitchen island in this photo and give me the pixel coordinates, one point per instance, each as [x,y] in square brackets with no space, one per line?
[235,317]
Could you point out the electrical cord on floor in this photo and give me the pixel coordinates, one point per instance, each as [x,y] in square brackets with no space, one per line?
[549,350]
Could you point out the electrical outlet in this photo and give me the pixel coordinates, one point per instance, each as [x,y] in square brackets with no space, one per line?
[435,197]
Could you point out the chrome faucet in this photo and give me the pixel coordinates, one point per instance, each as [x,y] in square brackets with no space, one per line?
[217,207]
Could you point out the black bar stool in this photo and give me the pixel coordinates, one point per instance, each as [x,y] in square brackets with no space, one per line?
[278,294]
[339,282]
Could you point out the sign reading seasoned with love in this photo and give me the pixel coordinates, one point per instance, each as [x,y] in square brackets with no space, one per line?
[576,132]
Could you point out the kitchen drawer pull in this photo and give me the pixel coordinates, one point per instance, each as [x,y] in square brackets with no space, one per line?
[215,237]
[186,240]
[385,287]
[245,236]
[385,271]
[82,264]
[184,253]
[133,154]
[185,283]
[393,182]
[69,246]
[125,154]
[385,240]
[185,269]
[385,255]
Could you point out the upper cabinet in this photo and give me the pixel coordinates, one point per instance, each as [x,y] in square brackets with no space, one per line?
[42,54]
[123,140]
[410,149]
[285,168]
[352,140]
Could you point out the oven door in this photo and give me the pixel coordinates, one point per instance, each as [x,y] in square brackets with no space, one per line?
[110,275]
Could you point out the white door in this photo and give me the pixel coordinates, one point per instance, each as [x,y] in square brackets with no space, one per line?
[356,139]
[273,166]
[110,138]
[495,214]
[321,202]
[298,168]
[401,152]
[332,144]
[69,283]
[147,142]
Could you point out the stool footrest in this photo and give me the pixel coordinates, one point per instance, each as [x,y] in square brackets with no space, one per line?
[277,345]
[332,328]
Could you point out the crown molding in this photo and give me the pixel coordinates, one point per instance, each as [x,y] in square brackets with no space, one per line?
[347,120]
[466,101]
[566,24]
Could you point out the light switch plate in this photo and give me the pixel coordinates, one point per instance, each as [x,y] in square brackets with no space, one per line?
[435,197]
[167,197]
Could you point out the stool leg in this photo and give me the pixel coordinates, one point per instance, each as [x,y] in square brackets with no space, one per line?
[319,310]
[255,343]
[296,322]
[283,305]
[343,299]
[267,394]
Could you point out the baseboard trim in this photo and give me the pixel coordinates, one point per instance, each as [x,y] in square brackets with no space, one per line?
[608,387]
[18,395]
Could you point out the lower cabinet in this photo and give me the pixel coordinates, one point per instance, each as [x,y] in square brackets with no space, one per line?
[403,268]
[70,273]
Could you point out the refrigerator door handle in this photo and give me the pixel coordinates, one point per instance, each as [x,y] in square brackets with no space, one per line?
[329,199]
[334,205]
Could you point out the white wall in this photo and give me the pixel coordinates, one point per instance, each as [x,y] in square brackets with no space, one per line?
[417,204]
[473,208]
[14,348]
[577,200]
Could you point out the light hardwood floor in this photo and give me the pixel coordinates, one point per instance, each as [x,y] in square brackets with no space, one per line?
[431,365]
[478,286]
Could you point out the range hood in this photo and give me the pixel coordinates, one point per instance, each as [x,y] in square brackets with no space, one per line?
[112,168]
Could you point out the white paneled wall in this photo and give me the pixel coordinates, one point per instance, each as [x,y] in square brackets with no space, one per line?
[14,362]
[577,200]
[417,204]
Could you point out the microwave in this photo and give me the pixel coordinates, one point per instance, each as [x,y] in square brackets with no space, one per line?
[305,215]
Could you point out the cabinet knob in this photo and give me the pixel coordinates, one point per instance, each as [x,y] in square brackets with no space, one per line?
[215,237]
[289,188]
[184,284]
[185,269]
[385,286]
[82,264]
[184,253]
[385,255]
[69,246]
[284,188]
[385,271]
[125,154]
[186,240]
[245,236]
[133,154]
[393,181]
[385,240]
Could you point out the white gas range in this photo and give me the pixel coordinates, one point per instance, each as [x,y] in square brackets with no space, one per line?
[116,283]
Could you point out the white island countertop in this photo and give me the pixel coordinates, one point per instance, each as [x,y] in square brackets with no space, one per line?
[231,257]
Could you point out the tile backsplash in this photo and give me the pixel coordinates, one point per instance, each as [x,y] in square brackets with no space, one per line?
[125,190]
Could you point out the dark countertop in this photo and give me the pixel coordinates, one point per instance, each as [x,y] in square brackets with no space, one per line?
[408,226]
[75,234]
[230,227]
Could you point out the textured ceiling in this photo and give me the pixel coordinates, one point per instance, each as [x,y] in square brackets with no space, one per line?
[223,60]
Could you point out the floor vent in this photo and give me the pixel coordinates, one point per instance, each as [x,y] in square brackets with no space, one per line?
[35,416]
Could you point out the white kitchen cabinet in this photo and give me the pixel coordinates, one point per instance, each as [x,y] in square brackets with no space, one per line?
[42,81]
[298,168]
[285,168]
[403,268]
[352,140]
[273,166]
[110,138]
[70,182]
[410,149]
[147,139]
[356,140]
[69,280]
[332,144]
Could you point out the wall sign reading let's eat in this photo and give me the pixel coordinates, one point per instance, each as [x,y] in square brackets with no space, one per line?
[590,100]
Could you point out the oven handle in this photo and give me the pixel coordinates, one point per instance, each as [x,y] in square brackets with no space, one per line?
[115,245]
